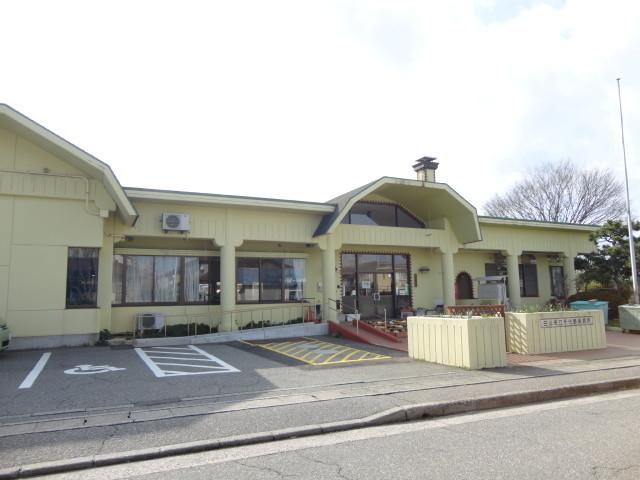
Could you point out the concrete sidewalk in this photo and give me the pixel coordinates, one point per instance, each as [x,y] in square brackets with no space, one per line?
[34,445]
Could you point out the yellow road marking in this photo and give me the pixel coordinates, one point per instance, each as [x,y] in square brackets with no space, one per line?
[338,353]
[303,347]
[292,350]
[319,355]
[349,356]
[278,347]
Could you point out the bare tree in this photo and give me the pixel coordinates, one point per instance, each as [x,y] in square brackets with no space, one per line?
[562,193]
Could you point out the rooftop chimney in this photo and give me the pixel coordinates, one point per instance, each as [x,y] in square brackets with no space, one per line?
[426,168]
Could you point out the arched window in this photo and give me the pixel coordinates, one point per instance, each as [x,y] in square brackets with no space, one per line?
[464,287]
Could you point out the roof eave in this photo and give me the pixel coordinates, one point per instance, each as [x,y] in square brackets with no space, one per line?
[226,201]
[537,224]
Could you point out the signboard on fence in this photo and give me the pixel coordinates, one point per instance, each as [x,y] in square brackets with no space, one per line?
[565,322]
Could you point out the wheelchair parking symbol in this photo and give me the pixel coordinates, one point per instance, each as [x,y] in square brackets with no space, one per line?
[91,369]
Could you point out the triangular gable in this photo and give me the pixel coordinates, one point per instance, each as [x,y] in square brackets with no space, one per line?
[75,156]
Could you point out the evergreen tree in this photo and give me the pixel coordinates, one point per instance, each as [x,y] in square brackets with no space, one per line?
[609,264]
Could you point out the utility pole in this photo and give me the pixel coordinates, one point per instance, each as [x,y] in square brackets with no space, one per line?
[632,247]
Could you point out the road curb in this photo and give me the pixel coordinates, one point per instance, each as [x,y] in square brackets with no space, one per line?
[393,415]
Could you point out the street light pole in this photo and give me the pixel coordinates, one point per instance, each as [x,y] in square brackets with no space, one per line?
[632,248]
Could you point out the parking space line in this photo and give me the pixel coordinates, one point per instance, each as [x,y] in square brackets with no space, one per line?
[189,365]
[179,358]
[156,362]
[175,353]
[170,348]
[35,371]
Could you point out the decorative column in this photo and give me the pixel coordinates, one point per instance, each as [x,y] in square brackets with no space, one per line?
[227,285]
[329,284]
[448,281]
[513,274]
[105,275]
[569,273]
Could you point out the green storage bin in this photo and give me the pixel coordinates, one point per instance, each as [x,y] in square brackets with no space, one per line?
[629,317]
[592,305]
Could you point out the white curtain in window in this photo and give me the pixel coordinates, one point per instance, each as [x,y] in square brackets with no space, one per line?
[191,279]
[166,279]
[139,279]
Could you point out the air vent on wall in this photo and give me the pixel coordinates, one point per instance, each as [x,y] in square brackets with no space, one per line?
[175,222]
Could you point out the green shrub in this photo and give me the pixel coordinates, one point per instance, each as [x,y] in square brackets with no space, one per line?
[103,337]
[180,330]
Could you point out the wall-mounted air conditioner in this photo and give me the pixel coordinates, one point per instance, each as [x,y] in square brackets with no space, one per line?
[175,222]
[150,321]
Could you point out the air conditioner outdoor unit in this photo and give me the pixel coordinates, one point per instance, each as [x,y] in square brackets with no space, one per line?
[150,321]
[175,222]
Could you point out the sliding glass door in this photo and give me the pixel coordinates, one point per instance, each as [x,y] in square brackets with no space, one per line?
[373,283]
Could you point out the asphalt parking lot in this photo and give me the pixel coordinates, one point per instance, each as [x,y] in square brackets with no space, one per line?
[68,379]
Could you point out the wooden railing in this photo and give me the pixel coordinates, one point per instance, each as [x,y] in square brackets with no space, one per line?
[480,310]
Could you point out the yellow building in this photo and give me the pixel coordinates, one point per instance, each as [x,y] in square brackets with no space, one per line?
[80,253]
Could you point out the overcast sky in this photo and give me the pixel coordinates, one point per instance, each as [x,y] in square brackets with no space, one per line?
[309,99]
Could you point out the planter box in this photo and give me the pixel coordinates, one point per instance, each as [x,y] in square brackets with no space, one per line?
[629,317]
[552,332]
[471,342]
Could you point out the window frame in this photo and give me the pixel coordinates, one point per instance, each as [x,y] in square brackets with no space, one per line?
[212,281]
[347,218]
[524,285]
[214,299]
[551,281]
[260,300]
[97,279]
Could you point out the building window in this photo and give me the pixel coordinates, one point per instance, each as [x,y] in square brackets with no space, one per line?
[269,280]
[381,214]
[165,280]
[82,277]
[202,280]
[528,280]
[139,279]
[557,281]
[293,273]
[464,286]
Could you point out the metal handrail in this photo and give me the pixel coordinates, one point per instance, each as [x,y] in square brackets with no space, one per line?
[354,308]
[306,308]
[191,318]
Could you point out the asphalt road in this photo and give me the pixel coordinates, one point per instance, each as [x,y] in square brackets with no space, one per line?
[67,415]
[588,438]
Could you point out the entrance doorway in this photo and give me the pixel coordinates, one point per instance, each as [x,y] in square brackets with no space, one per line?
[375,282]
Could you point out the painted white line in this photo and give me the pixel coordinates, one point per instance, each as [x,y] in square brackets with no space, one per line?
[189,365]
[179,358]
[156,352]
[35,371]
[173,373]
[150,363]
[157,362]
[215,359]
[171,348]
